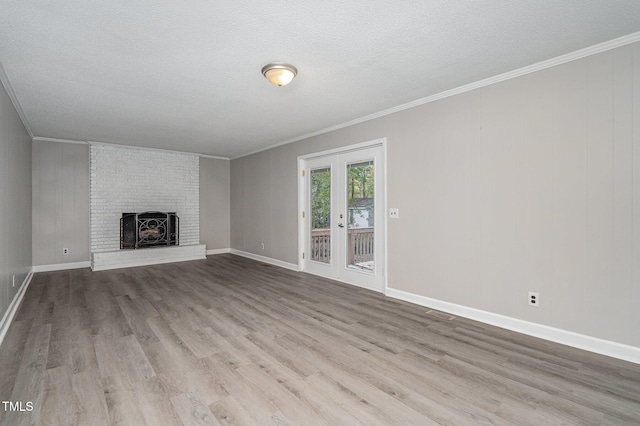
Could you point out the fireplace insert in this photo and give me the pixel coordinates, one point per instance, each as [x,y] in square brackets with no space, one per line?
[148,229]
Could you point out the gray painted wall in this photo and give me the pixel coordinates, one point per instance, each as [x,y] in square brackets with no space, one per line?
[531,184]
[15,201]
[214,203]
[60,202]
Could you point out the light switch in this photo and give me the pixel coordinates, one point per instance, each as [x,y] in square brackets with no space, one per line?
[394,213]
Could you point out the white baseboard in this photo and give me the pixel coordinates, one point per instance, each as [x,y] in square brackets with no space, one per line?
[264,259]
[12,310]
[569,338]
[218,251]
[61,266]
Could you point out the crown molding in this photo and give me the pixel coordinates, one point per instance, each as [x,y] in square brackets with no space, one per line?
[71,141]
[43,139]
[549,63]
[144,148]
[215,157]
[4,79]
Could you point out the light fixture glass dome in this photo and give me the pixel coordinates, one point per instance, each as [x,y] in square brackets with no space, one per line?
[279,74]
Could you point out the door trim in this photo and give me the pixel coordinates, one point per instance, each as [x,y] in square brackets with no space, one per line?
[382,142]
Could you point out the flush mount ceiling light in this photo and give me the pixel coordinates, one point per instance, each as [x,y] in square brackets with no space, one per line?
[279,74]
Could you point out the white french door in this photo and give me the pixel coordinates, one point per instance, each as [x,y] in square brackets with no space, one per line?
[343,216]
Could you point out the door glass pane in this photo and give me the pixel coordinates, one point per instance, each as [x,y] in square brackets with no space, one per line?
[360,218]
[320,215]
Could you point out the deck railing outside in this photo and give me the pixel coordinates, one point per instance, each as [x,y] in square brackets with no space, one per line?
[321,245]
[360,245]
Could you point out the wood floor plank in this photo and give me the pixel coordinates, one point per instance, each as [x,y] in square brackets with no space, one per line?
[152,399]
[124,408]
[122,356]
[89,394]
[228,340]
[10,356]
[332,411]
[72,347]
[110,323]
[286,402]
[192,411]
[252,400]
[30,380]
[59,405]
[194,339]
[135,312]
[228,411]
[183,373]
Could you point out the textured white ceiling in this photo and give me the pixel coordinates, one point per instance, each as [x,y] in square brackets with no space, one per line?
[185,75]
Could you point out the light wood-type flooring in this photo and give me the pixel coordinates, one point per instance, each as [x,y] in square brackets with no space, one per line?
[228,340]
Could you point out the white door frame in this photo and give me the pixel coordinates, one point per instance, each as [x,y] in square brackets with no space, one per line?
[302,197]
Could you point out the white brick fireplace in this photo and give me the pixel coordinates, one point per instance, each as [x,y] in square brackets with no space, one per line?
[138,180]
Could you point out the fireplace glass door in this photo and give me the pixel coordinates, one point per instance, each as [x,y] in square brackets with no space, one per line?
[149,229]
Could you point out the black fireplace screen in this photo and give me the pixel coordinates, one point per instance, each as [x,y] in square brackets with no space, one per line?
[149,229]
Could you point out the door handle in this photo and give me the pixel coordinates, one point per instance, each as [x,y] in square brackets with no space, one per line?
[341,225]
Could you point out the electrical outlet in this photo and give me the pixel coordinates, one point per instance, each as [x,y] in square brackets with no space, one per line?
[65,251]
[394,213]
[534,299]
[262,246]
